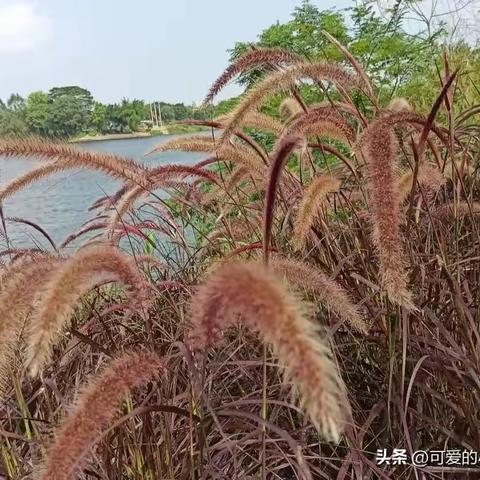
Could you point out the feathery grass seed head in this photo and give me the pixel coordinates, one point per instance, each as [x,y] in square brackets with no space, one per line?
[379,146]
[250,292]
[284,80]
[310,207]
[253,58]
[304,276]
[57,298]
[94,409]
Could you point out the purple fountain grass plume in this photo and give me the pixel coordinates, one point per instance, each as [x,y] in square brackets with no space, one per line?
[238,229]
[447,211]
[239,174]
[428,176]
[83,231]
[97,240]
[242,155]
[459,167]
[27,178]
[16,253]
[94,409]
[238,133]
[322,120]
[191,143]
[168,172]
[58,297]
[127,201]
[310,207]
[284,80]
[341,107]
[159,177]
[71,157]
[428,125]
[289,108]
[250,292]
[94,219]
[136,230]
[251,59]
[282,151]
[20,283]
[50,150]
[207,161]
[35,226]
[404,117]
[379,147]
[399,104]
[235,152]
[110,200]
[101,202]
[236,177]
[330,293]
[355,63]
[256,120]
[123,205]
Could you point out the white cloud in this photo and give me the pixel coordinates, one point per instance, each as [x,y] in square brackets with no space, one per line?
[22,27]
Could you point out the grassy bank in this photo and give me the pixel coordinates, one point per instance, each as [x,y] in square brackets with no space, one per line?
[173,129]
[177,128]
[109,136]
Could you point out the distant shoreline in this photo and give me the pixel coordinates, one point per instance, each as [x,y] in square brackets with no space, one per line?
[174,129]
[110,136]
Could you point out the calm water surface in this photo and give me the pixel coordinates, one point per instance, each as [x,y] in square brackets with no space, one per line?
[60,203]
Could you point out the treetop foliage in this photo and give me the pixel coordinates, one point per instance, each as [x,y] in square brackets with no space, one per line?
[399,62]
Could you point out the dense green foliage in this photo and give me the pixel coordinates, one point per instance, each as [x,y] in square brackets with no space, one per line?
[67,112]
[400,63]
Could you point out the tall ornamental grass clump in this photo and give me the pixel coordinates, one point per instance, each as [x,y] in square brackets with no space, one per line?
[293,306]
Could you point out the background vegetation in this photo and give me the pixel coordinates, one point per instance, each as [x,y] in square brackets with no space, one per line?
[68,112]
[401,50]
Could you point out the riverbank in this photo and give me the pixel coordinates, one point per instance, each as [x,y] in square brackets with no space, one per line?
[177,129]
[110,136]
[174,129]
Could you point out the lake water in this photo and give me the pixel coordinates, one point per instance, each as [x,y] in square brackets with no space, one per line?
[59,204]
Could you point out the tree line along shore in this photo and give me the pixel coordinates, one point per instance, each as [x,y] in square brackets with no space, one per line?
[71,112]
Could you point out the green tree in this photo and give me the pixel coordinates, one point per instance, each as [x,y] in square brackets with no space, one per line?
[181,111]
[12,117]
[70,110]
[16,102]
[302,35]
[82,95]
[99,116]
[132,113]
[36,113]
[390,55]
[12,124]
[168,112]
[225,106]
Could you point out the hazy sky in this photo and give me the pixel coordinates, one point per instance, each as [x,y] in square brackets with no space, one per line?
[150,49]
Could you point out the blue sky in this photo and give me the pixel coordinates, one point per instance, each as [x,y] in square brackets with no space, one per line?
[151,49]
